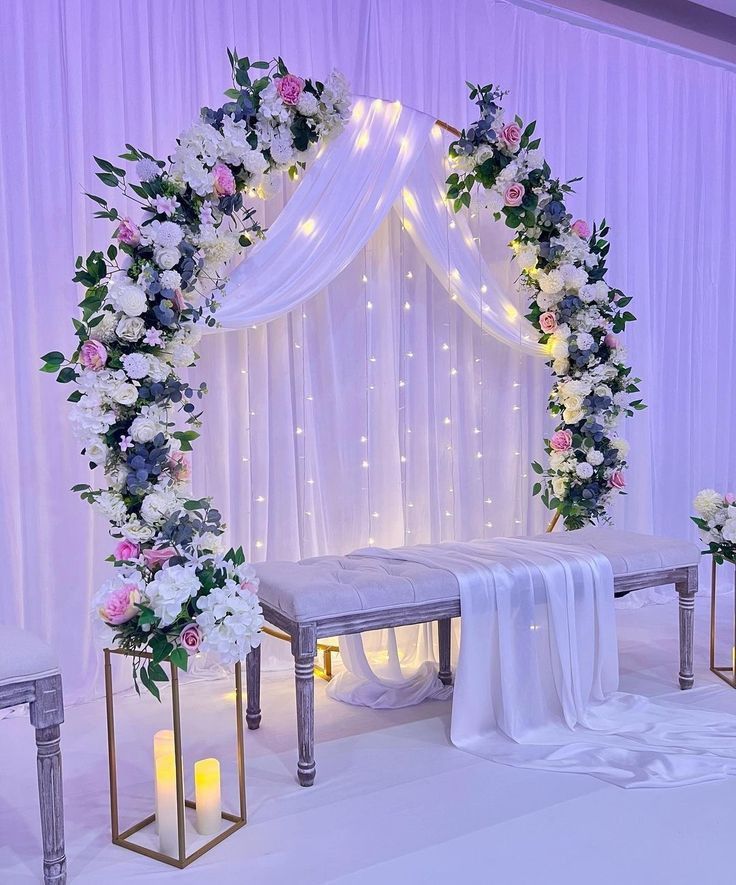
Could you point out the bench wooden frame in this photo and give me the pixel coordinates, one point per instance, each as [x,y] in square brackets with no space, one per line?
[304,636]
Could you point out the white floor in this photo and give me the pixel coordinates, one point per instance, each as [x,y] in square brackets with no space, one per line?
[394,802]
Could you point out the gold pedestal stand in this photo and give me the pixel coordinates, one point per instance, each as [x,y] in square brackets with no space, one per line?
[727,674]
[236,820]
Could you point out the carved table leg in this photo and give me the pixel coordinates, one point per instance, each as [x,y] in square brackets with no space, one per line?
[304,647]
[253,688]
[687,589]
[47,711]
[444,629]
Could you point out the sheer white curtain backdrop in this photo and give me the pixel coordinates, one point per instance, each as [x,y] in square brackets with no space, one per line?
[650,131]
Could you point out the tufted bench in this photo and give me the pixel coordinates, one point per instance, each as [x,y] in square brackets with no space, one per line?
[338,595]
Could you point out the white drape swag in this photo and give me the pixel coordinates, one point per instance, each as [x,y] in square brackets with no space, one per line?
[389,156]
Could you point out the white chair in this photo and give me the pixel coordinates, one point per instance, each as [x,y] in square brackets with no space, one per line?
[29,674]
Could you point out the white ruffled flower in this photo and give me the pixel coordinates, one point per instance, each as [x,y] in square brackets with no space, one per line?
[584,340]
[104,330]
[170,279]
[572,416]
[112,507]
[125,393]
[180,355]
[96,450]
[559,346]
[135,530]
[594,457]
[147,169]
[209,542]
[159,505]
[551,282]
[547,301]
[559,486]
[230,618]
[575,277]
[527,257]
[136,365]
[128,297]
[282,149]
[166,234]
[308,104]
[621,445]
[594,292]
[584,470]
[560,366]
[171,587]
[707,503]
[130,328]
[158,370]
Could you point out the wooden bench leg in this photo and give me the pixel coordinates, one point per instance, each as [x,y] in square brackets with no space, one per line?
[444,632]
[304,647]
[47,712]
[253,688]
[687,588]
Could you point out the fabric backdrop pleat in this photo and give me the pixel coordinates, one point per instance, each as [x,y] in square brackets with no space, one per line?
[651,132]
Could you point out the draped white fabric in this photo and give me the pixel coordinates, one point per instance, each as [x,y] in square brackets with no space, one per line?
[648,130]
[537,675]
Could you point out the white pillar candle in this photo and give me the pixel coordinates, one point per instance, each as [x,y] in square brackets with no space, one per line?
[207,794]
[168,831]
[163,743]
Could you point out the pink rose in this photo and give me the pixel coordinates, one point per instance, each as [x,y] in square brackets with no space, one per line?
[548,321]
[514,194]
[730,498]
[190,638]
[93,355]
[511,135]
[290,88]
[127,232]
[158,556]
[224,180]
[611,341]
[581,228]
[617,480]
[119,604]
[561,440]
[126,550]
[178,300]
[180,467]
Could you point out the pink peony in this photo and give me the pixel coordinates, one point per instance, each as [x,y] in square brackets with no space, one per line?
[119,604]
[190,638]
[514,194]
[224,180]
[93,355]
[158,556]
[290,88]
[617,480]
[548,321]
[126,550]
[561,441]
[511,135]
[127,232]
[178,300]
[611,341]
[730,498]
[180,467]
[581,228]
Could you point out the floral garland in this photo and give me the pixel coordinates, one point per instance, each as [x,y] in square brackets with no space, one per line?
[577,314]
[716,519]
[175,591]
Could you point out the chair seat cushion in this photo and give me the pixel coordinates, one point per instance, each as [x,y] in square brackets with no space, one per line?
[23,656]
[330,586]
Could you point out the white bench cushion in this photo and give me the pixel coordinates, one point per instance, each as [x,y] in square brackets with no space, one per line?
[24,656]
[330,586]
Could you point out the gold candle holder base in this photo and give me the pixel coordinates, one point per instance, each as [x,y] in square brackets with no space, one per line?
[727,674]
[236,821]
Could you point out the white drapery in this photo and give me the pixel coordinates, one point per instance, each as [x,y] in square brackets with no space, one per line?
[389,156]
[537,675]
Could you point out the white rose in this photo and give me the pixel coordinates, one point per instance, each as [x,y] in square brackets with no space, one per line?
[96,450]
[136,365]
[559,347]
[560,366]
[573,401]
[128,298]
[559,486]
[707,502]
[584,470]
[572,416]
[550,282]
[603,390]
[594,457]
[158,506]
[144,428]
[135,530]
[527,257]
[556,460]
[125,393]
[166,256]
[130,328]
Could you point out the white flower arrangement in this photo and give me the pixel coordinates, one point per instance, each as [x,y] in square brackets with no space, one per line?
[716,519]
[576,313]
[147,298]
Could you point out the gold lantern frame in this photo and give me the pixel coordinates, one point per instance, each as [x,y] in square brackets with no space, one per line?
[236,820]
[727,674]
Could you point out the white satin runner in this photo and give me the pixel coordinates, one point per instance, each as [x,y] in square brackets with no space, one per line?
[537,675]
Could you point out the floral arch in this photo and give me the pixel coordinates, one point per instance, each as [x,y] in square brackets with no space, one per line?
[149,295]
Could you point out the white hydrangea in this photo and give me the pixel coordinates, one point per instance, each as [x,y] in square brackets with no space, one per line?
[171,587]
[201,140]
[112,507]
[218,250]
[584,340]
[180,355]
[575,277]
[594,292]
[707,503]
[308,104]
[272,107]
[584,470]
[230,620]
[282,149]
[136,365]
[547,301]
[90,417]
[621,445]
[254,162]
[159,505]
